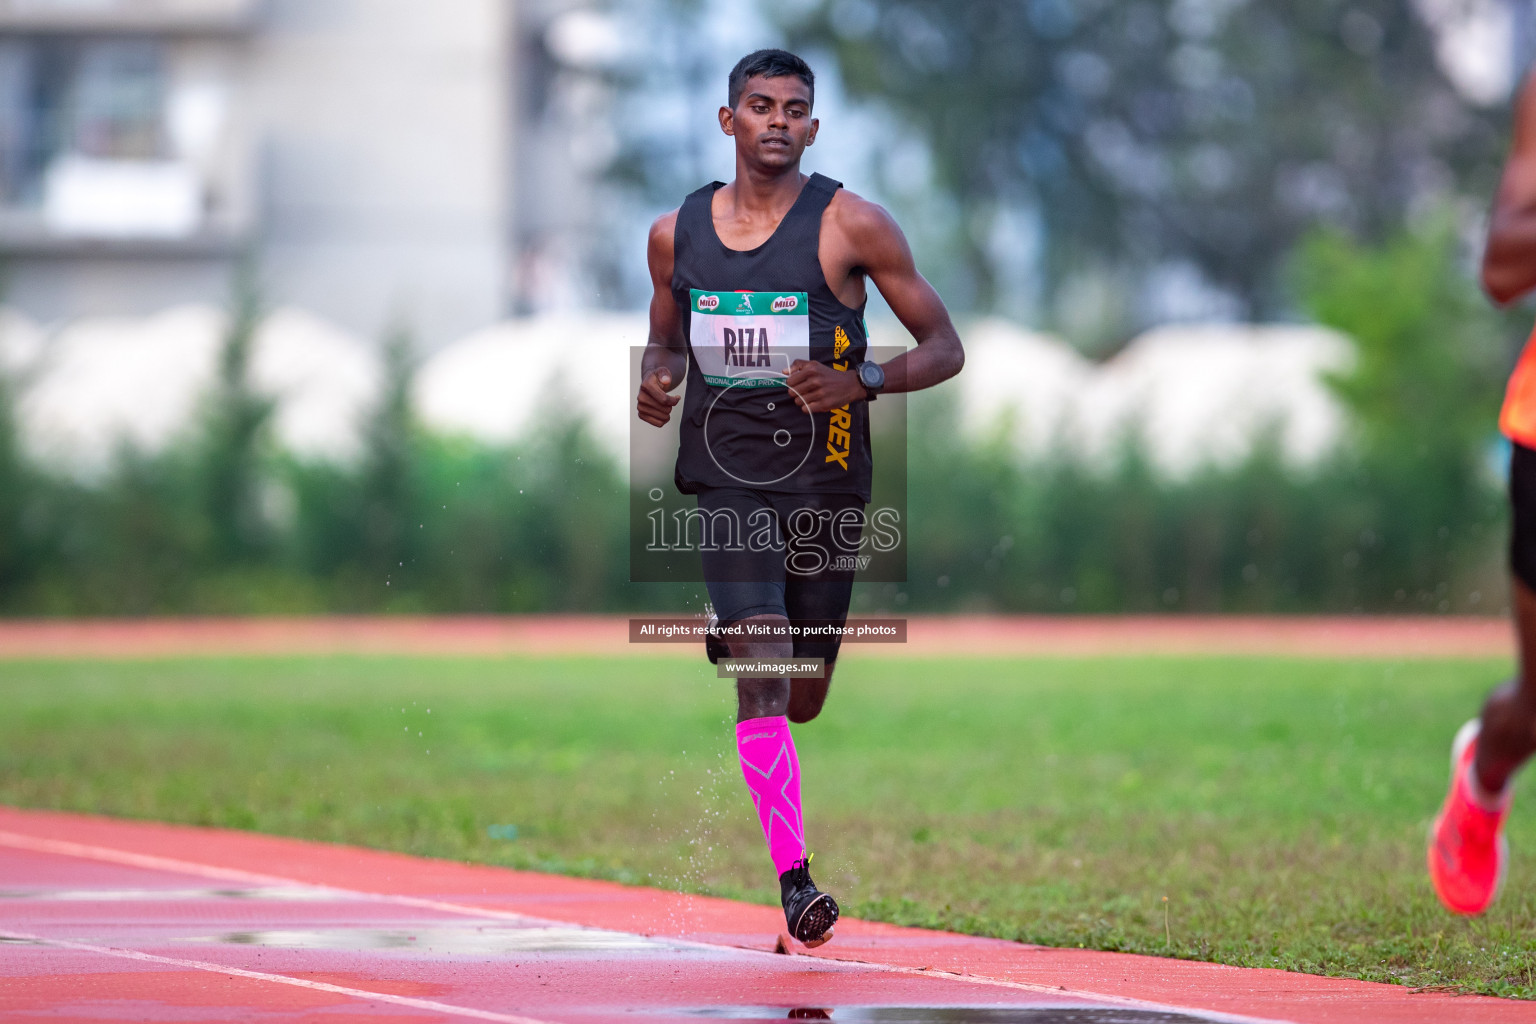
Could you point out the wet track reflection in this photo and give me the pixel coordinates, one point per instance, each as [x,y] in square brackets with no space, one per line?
[958,1015]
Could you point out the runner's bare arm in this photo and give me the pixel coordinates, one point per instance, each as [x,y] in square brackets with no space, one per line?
[887,259]
[877,248]
[1509,262]
[666,353]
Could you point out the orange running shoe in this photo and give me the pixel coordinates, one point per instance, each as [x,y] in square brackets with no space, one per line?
[1467,848]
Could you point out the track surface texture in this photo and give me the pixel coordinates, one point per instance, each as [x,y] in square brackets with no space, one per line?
[1001,636]
[110,920]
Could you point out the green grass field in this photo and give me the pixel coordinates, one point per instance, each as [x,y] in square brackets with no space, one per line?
[1279,805]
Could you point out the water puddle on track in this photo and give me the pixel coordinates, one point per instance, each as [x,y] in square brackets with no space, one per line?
[487,939]
[959,1014]
[307,894]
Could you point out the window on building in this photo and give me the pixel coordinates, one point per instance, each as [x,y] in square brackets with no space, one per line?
[99,99]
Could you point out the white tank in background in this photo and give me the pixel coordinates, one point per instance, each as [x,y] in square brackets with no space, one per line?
[501,382]
[1197,394]
[21,344]
[325,381]
[1022,383]
[1194,394]
[103,383]
[99,384]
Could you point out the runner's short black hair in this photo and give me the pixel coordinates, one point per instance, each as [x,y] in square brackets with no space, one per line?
[769,64]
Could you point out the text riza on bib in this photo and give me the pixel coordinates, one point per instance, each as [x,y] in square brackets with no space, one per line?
[749,339]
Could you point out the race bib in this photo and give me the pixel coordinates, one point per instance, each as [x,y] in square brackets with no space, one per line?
[748,339]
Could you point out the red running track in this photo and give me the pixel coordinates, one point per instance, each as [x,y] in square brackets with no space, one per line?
[110,920]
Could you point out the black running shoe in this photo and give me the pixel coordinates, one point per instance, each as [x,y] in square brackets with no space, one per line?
[714,647]
[809,912]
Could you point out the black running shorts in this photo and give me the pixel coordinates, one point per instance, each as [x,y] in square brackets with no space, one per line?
[773,553]
[1522,502]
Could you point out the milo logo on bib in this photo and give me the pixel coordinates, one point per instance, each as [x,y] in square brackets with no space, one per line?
[749,339]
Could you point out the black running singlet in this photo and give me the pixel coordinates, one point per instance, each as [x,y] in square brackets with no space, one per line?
[748,314]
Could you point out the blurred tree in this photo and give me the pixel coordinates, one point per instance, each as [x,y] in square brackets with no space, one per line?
[1430,354]
[18,484]
[386,475]
[236,418]
[356,523]
[1171,151]
[1424,388]
[13,491]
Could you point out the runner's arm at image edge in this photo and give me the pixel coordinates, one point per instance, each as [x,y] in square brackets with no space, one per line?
[1509,262]
[665,361]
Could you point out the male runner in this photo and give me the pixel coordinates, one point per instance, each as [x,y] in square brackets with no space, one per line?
[759,298]
[1467,850]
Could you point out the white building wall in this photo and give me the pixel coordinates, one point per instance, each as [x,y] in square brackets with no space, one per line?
[385,129]
[359,147]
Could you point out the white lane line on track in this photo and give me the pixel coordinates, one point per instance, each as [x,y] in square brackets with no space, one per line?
[282,979]
[108,854]
[150,862]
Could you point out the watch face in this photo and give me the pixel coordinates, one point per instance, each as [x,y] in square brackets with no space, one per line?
[870,375]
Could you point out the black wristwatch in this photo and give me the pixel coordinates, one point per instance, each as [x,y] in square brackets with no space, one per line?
[872,376]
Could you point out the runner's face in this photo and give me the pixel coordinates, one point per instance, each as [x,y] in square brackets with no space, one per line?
[772,122]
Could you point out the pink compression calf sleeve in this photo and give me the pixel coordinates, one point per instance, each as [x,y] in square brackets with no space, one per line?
[772,771]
